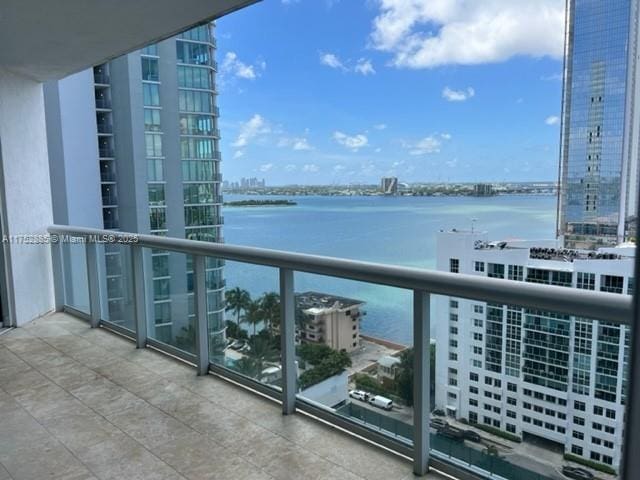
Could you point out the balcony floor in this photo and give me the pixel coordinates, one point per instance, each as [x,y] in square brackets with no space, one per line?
[80,403]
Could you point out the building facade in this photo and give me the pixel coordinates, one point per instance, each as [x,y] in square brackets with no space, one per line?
[330,320]
[534,373]
[389,185]
[600,129]
[156,161]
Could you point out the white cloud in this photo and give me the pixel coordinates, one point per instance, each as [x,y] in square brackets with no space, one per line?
[296,143]
[451,163]
[428,144]
[254,127]
[458,95]
[310,168]
[364,67]
[231,65]
[380,126]
[432,33]
[238,154]
[339,168]
[552,120]
[378,150]
[290,168]
[266,167]
[332,60]
[355,142]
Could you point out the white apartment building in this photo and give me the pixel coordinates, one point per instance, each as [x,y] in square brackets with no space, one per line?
[332,320]
[534,373]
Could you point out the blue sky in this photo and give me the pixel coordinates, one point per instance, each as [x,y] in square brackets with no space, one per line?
[347,91]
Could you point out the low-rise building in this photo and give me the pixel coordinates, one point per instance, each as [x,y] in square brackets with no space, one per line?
[387,369]
[331,320]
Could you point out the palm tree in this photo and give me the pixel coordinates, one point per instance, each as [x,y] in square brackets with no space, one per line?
[270,304]
[253,314]
[237,300]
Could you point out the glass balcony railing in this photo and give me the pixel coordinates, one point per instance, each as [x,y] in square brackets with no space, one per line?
[101,78]
[105,128]
[106,152]
[475,406]
[103,103]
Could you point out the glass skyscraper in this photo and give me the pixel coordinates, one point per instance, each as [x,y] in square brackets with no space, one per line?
[599,144]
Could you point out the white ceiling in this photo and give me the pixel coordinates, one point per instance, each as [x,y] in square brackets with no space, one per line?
[49,39]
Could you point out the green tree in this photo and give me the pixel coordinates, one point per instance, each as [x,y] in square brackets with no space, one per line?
[248,366]
[253,314]
[270,305]
[187,339]
[404,377]
[234,331]
[332,363]
[236,301]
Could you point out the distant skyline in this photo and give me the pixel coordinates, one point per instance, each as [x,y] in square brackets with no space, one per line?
[337,92]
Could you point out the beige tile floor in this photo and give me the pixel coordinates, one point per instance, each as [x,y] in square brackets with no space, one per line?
[78,403]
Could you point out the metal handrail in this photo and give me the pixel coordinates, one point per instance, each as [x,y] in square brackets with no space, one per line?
[608,307]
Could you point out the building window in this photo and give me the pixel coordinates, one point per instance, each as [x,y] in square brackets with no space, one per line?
[454,265]
[562,279]
[150,94]
[516,272]
[473,377]
[477,323]
[611,283]
[453,303]
[478,309]
[578,421]
[478,266]
[150,69]
[495,270]
[586,281]
[598,410]
[453,317]
[579,406]
[576,450]
[578,435]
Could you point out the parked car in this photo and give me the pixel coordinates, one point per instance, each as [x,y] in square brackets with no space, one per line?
[438,413]
[472,436]
[438,423]
[359,395]
[577,473]
[381,402]
[453,433]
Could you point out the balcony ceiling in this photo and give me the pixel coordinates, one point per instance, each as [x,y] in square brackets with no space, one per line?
[45,39]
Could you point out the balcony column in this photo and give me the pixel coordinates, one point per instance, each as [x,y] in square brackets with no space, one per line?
[421,382]
[25,199]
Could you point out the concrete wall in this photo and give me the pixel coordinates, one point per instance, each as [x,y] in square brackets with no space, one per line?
[26,195]
[330,392]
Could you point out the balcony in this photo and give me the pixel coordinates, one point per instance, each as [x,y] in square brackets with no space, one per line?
[88,404]
[104,128]
[410,435]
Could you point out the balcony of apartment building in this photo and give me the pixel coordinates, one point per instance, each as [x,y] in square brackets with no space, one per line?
[89,391]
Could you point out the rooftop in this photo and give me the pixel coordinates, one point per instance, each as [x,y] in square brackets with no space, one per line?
[317,301]
[84,403]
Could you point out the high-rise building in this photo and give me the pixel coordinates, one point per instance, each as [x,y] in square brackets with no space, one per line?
[389,185]
[600,132]
[154,157]
[531,373]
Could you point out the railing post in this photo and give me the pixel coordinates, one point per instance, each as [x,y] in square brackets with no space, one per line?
[421,383]
[287,341]
[93,278]
[202,324]
[139,297]
[57,265]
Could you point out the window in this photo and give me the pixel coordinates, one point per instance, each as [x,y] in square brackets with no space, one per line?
[477,322]
[512,401]
[473,377]
[473,390]
[526,419]
[607,444]
[597,426]
[195,77]
[453,330]
[453,303]
[453,343]
[478,266]
[511,414]
[155,170]
[579,406]
[611,414]
[193,53]
[452,356]
[488,381]
[151,119]
[598,410]
[609,430]
[477,350]
[511,428]
[195,101]
[196,124]
[495,270]
[516,272]
[512,387]
[473,417]
[150,50]
[578,421]
[477,337]
[578,435]
[561,430]
[595,456]
[563,279]
[611,283]
[586,281]
[473,402]
[150,69]
[153,143]
[607,459]
[454,265]
[478,309]
[476,363]
[453,317]
[150,94]
[577,450]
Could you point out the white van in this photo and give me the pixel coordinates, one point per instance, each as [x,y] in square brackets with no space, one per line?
[381,402]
